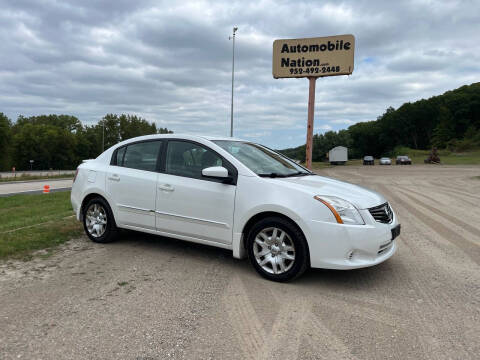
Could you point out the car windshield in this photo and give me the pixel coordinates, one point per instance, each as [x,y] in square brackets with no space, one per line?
[368,158]
[262,160]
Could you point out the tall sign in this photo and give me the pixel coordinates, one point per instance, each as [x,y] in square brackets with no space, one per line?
[313,58]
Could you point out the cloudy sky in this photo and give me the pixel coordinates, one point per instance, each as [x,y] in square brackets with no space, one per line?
[170,62]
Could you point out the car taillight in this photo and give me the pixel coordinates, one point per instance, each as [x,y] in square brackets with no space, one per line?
[75,177]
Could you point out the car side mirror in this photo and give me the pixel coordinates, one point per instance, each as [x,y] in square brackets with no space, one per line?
[218,172]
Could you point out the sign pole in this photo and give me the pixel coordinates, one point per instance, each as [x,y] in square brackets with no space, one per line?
[312,58]
[311,111]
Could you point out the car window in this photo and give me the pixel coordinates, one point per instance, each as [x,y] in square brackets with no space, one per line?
[260,159]
[189,159]
[119,156]
[142,156]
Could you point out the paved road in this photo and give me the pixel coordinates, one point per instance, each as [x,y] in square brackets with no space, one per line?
[9,174]
[34,186]
[154,298]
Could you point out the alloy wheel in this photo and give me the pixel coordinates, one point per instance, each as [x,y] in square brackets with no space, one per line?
[274,250]
[96,220]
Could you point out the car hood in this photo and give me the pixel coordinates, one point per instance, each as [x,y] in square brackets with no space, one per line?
[360,197]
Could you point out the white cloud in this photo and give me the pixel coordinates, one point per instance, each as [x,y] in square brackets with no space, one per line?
[342,121]
[170,61]
[325,127]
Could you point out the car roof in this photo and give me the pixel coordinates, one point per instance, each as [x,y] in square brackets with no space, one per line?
[179,136]
[219,138]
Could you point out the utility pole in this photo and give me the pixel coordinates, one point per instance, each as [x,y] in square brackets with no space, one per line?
[233,71]
[103,135]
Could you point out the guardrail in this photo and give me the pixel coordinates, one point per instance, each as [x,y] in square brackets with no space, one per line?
[11,174]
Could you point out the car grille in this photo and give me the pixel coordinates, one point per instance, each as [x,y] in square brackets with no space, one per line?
[382,213]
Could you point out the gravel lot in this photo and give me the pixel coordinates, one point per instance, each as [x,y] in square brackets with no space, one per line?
[146,297]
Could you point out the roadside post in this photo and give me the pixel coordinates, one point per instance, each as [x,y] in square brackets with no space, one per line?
[313,58]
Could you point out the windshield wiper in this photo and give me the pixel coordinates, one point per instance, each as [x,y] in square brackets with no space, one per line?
[277,175]
[272,175]
[300,173]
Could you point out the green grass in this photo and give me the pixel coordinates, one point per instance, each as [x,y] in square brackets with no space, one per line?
[446,157]
[34,222]
[319,165]
[35,177]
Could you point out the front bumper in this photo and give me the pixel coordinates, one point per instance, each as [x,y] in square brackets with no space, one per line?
[340,246]
[76,201]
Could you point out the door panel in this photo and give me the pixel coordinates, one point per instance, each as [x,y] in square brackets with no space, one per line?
[188,204]
[132,184]
[133,193]
[196,208]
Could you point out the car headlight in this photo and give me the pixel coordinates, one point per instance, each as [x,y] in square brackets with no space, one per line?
[344,212]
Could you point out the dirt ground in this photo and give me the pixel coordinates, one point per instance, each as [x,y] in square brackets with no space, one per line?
[147,297]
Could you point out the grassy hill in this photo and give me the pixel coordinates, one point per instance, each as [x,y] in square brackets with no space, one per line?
[449,121]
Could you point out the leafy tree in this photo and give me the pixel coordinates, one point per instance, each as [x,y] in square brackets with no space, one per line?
[116,128]
[445,130]
[62,142]
[5,140]
[448,120]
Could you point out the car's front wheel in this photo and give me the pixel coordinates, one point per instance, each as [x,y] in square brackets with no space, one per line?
[277,249]
[98,221]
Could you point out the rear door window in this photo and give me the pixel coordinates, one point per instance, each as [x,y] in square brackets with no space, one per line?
[141,156]
[119,156]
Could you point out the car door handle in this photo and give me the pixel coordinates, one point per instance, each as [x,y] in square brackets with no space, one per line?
[114,177]
[166,187]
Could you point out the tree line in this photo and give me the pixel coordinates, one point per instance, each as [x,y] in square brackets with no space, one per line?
[448,121]
[62,141]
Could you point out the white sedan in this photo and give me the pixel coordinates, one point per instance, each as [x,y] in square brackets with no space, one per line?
[235,195]
[385,161]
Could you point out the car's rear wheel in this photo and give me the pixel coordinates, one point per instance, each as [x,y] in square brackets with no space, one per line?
[277,249]
[98,221]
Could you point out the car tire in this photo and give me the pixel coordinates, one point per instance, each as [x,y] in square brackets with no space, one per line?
[98,221]
[277,249]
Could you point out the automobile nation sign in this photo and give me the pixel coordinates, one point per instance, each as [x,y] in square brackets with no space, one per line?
[313,57]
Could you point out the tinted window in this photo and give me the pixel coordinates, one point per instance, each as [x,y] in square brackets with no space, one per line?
[119,156]
[189,159]
[142,156]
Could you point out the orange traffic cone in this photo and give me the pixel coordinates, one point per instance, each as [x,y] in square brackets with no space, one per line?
[46,189]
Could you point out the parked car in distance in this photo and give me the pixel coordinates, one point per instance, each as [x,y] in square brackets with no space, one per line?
[403,160]
[368,160]
[385,161]
[235,195]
